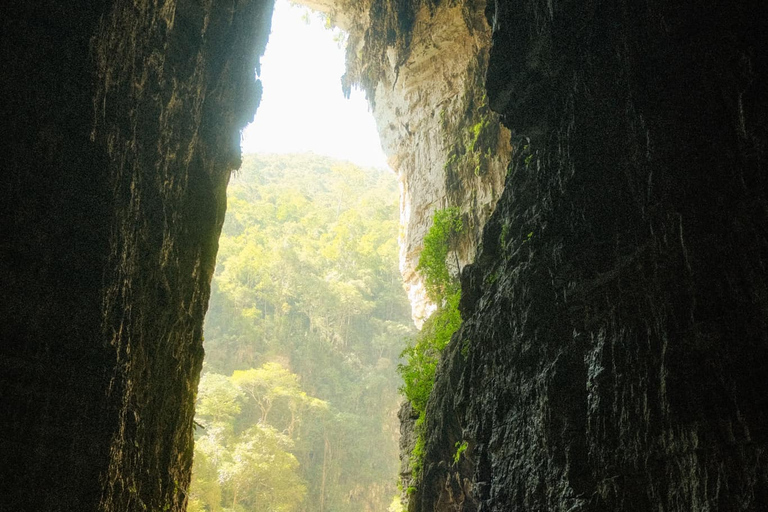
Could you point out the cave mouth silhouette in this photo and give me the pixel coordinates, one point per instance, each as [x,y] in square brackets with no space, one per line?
[304,122]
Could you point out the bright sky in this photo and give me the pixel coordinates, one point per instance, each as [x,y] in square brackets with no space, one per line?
[302,108]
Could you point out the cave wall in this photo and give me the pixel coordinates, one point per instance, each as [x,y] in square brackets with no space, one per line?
[614,350]
[422,65]
[121,125]
[615,345]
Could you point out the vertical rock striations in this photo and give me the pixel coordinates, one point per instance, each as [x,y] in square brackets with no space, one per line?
[176,86]
[422,65]
[125,122]
[615,344]
[614,350]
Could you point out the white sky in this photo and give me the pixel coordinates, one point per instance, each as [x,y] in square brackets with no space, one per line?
[302,108]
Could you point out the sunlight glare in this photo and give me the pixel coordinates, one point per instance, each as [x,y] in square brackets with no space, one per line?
[303,108]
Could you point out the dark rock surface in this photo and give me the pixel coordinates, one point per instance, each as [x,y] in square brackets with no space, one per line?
[616,319]
[121,124]
[615,348]
[407,416]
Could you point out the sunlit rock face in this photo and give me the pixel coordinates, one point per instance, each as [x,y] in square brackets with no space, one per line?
[425,107]
[614,350]
[423,67]
[121,125]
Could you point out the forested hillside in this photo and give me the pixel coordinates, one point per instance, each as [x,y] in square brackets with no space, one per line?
[297,402]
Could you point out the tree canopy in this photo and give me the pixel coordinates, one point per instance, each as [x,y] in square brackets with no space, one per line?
[307,317]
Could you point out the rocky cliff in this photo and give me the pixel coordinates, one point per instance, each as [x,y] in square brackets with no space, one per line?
[615,340]
[122,123]
[423,65]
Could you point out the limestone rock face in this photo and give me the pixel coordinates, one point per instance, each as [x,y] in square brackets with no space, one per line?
[426,107]
[615,336]
[423,67]
[121,125]
[614,350]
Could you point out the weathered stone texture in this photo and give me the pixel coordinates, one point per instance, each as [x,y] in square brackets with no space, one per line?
[422,65]
[615,347]
[123,123]
[616,318]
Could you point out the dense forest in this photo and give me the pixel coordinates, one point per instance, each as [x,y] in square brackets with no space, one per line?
[296,408]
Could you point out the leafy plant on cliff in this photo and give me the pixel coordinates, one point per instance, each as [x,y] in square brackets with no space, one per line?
[479,133]
[419,371]
[433,267]
[461,447]
[443,289]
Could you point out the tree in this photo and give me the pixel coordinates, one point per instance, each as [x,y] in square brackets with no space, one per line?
[205,490]
[262,474]
[308,275]
[270,383]
[218,398]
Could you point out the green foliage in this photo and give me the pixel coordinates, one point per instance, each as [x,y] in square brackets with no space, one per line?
[478,131]
[419,371]
[272,384]
[239,463]
[465,348]
[262,472]
[504,235]
[461,447]
[218,398]
[528,160]
[417,456]
[432,266]
[476,135]
[205,491]
[483,136]
[421,358]
[306,320]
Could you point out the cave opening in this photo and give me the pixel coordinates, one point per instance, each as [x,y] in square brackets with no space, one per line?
[614,342]
[298,397]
